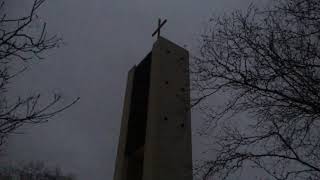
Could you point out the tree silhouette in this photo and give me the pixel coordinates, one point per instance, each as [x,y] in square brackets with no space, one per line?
[19,46]
[266,65]
[34,170]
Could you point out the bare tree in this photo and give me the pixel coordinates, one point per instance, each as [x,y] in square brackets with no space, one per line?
[266,64]
[19,46]
[34,170]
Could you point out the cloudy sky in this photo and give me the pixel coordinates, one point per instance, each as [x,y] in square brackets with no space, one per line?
[104,39]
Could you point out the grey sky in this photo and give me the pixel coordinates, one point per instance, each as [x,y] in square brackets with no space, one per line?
[104,39]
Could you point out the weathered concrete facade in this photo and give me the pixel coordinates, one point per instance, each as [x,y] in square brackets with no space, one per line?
[155,137]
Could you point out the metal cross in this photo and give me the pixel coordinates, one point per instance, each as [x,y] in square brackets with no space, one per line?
[157,31]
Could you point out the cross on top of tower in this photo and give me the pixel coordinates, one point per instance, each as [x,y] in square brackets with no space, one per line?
[157,31]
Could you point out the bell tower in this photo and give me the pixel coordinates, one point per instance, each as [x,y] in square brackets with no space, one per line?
[155,135]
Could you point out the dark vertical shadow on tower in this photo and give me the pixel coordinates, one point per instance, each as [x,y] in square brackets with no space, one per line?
[138,119]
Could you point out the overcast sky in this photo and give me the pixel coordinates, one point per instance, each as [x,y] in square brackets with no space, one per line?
[104,39]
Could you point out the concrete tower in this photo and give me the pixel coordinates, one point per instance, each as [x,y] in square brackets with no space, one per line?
[155,135]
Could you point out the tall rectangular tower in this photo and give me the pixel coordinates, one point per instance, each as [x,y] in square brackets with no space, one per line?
[155,135]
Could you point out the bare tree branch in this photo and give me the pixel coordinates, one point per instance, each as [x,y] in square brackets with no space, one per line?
[267,63]
[19,46]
